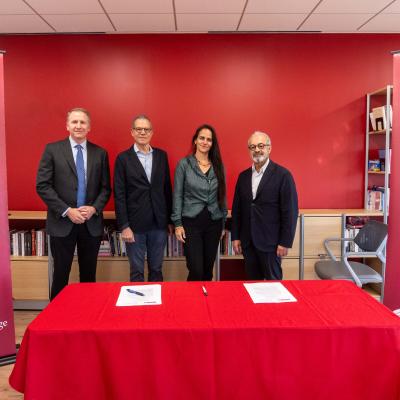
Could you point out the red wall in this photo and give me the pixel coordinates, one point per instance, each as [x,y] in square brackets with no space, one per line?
[307,91]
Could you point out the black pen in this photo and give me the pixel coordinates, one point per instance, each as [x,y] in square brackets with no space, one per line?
[135,292]
[204,291]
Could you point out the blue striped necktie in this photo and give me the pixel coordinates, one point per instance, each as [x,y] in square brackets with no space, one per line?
[80,169]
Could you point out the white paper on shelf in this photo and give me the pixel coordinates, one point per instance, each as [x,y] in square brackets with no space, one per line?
[269,292]
[151,295]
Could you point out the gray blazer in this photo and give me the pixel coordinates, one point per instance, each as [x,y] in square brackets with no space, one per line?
[57,184]
[193,191]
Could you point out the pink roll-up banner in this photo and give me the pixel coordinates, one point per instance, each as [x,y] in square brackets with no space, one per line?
[7,332]
[392,279]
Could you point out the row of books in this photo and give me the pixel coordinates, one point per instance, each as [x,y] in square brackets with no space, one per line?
[29,243]
[351,232]
[113,245]
[381,163]
[35,243]
[376,165]
[376,198]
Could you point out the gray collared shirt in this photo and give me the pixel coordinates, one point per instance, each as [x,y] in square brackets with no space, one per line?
[146,159]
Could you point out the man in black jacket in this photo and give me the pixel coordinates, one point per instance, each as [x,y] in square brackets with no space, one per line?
[264,212]
[143,201]
[74,181]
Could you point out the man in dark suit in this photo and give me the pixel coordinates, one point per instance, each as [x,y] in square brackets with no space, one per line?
[74,181]
[264,212]
[142,190]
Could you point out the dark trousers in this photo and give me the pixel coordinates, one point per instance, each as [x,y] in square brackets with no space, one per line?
[201,245]
[153,243]
[260,265]
[62,250]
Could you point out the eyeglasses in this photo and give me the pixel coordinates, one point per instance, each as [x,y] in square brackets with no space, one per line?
[145,130]
[259,146]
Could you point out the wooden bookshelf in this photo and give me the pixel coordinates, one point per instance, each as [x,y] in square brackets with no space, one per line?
[31,278]
[376,140]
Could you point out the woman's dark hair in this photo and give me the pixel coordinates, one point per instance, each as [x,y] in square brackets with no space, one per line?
[214,156]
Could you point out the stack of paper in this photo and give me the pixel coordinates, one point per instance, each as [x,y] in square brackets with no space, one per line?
[269,292]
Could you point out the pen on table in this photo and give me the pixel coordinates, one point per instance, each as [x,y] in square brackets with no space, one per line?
[135,292]
[204,291]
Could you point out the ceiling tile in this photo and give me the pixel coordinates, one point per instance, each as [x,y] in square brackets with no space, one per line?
[80,23]
[351,6]
[143,22]
[383,23]
[207,22]
[23,24]
[138,6]
[280,7]
[271,22]
[66,6]
[14,7]
[335,22]
[209,6]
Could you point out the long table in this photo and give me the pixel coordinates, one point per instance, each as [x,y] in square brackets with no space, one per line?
[335,342]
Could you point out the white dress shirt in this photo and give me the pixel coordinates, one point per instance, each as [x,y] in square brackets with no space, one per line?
[256,177]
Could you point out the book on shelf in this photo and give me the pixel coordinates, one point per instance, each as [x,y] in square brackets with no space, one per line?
[351,232]
[353,226]
[385,161]
[372,119]
[376,198]
[379,118]
[374,165]
[29,243]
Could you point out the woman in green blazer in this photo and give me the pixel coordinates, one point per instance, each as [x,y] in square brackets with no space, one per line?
[199,203]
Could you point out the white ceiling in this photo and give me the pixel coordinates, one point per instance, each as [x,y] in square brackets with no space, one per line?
[180,16]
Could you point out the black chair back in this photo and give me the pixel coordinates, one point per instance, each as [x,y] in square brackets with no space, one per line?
[371,235]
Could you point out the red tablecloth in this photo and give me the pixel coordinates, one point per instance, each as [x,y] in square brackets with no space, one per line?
[335,342]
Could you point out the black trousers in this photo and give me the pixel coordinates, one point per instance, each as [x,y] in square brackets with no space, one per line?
[201,245]
[261,265]
[62,250]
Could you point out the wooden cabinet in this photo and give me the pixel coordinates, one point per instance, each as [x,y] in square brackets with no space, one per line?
[317,228]
[29,278]
[116,269]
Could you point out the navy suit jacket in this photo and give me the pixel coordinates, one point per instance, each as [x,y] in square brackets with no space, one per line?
[57,185]
[270,219]
[139,202]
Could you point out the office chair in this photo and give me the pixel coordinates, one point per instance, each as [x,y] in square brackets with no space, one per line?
[372,242]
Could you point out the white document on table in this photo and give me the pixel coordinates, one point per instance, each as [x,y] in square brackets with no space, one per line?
[139,295]
[269,292]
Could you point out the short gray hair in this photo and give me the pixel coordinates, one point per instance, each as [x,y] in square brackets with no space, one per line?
[267,138]
[140,116]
